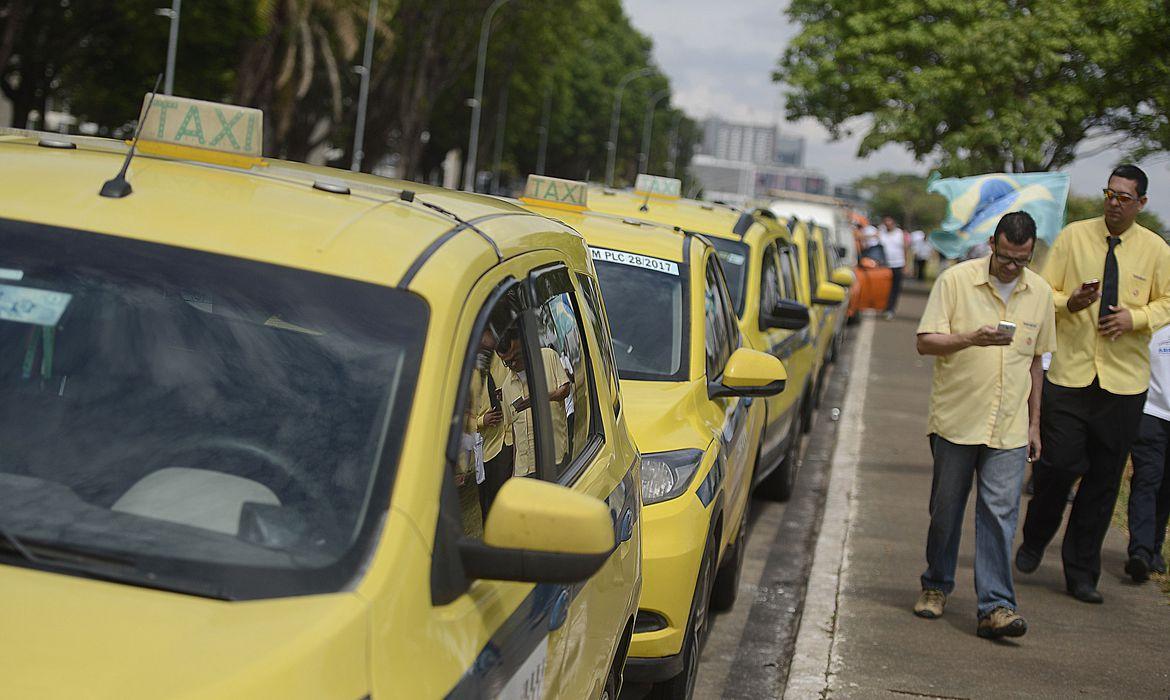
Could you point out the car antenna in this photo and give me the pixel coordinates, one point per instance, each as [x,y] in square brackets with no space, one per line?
[117,187]
[645,203]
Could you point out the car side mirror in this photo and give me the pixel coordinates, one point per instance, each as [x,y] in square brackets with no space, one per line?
[842,276]
[750,373]
[786,314]
[829,294]
[538,532]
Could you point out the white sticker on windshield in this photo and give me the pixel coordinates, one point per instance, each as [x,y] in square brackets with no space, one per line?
[730,258]
[634,260]
[36,306]
[7,273]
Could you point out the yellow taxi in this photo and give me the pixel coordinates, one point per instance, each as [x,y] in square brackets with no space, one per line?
[830,265]
[827,299]
[763,269]
[688,385]
[277,431]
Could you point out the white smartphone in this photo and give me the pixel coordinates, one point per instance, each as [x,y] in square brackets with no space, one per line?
[1091,284]
[1006,327]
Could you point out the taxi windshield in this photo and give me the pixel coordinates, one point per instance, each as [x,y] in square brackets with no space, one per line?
[647,319]
[193,422]
[734,256]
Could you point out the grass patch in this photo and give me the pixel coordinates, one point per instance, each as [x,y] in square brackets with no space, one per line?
[1121,521]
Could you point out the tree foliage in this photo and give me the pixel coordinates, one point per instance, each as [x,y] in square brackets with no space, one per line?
[980,85]
[904,197]
[1082,207]
[299,61]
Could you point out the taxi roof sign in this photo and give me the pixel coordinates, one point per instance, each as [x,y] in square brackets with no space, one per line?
[555,192]
[658,186]
[200,130]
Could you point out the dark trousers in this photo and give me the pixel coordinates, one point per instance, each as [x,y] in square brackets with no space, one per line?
[1149,493]
[895,288]
[496,471]
[1085,433]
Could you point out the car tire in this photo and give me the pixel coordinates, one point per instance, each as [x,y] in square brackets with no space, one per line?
[682,686]
[726,587]
[779,484]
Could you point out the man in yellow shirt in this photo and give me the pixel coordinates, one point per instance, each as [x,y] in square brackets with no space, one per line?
[988,321]
[496,442]
[517,405]
[1111,284]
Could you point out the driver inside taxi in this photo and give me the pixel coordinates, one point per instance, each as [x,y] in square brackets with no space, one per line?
[516,402]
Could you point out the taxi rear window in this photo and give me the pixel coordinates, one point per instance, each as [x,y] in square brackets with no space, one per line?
[196,422]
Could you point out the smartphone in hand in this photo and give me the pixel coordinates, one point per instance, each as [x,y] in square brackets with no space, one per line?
[1007,327]
[1091,284]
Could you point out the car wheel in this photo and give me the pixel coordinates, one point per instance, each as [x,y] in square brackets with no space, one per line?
[682,686]
[726,586]
[779,484]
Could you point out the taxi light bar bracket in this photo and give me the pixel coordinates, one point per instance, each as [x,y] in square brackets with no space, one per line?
[117,187]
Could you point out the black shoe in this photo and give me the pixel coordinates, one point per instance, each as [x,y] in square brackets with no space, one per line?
[1027,561]
[1085,593]
[1138,568]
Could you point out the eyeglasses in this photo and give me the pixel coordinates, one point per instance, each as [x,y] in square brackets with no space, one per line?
[1121,197]
[1008,260]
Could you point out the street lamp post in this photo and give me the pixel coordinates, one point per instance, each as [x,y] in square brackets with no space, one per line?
[611,145]
[545,115]
[647,126]
[172,43]
[477,101]
[359,132]
[672,148]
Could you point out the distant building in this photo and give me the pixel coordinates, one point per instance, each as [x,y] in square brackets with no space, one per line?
[738,162]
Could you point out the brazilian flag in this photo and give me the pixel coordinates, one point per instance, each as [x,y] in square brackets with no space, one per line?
[976,204]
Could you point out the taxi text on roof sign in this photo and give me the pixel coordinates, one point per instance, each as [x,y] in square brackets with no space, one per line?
[555,192]
[657,186]
[199,130]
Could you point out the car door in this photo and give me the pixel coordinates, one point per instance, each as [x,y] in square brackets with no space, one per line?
[721,338]
[776,283]
[596,462]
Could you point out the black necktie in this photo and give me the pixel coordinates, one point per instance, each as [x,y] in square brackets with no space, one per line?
[1109,279]
[492,398]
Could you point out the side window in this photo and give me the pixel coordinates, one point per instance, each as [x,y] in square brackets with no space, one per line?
[771,286]
[572,392]
[595,314]
[492,438]
[813,280]
[788,273]
[716,342]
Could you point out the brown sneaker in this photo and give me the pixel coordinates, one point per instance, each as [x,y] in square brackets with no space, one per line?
[931,603]
[1002,622]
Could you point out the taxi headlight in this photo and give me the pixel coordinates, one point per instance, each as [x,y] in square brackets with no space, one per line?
[665,475]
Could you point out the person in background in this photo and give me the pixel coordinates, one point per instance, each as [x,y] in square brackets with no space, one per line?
[984,416]
[923,251]
[1110,278]
[495,437]
[1149,492]
[894,245]
[517,405]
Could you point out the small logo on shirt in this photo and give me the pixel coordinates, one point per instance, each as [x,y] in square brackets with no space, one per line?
[1028,341]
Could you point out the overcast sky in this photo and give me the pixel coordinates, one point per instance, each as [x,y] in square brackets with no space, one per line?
[720,55]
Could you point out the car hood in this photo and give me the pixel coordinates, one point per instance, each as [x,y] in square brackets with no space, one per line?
[68,637]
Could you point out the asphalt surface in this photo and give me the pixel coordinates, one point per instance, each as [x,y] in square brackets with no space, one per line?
[859,638]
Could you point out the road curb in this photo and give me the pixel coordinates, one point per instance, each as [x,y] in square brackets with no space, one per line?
[814,660]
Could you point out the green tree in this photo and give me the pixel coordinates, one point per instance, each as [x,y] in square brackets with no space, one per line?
[977,86]
[904,197]
[98,57]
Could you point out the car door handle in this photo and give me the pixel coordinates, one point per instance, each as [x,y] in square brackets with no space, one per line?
[560,610]
[626,527]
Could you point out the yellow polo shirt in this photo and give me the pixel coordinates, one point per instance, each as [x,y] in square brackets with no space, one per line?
[494,437]
[1143,286]
[523,439]
[980,394]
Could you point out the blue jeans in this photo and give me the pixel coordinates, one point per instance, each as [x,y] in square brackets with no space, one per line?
[997,507]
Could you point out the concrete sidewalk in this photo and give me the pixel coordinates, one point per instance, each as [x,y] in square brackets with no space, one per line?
[858,635]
